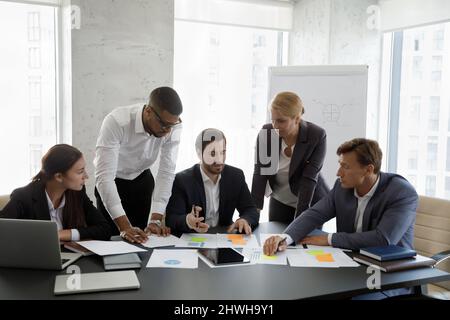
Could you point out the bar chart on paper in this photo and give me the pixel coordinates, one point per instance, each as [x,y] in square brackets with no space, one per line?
[198,240]
[256,255]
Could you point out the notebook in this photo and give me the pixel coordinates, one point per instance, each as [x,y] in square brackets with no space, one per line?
[94,282]
[387,253]
[122,261]
[396,265]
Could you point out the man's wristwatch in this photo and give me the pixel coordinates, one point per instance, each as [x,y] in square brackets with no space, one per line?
[157,222]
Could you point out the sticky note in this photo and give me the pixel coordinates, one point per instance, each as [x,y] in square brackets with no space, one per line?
[235,236]
[316,252]
[327,257]
[198,239]
[269,257]
[238,242]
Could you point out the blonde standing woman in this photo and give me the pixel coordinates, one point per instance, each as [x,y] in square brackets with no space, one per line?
[293,171]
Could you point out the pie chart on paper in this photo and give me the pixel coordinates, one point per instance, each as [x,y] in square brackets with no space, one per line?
[172,262]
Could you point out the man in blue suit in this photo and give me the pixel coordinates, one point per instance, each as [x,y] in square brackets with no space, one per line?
[207,194]
[372,208]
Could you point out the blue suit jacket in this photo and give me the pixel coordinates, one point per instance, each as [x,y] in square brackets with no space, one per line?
[388,219]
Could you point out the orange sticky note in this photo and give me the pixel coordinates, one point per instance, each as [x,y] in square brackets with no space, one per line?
[235,237]
[239,242]
[328,257]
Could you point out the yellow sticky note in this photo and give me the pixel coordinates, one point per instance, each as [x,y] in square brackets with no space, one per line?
[315,252]
[328,257]
[269,257]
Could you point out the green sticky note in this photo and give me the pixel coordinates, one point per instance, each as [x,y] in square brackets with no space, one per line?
[198,239]
[316,252]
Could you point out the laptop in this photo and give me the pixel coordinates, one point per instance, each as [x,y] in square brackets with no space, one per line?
[32,244]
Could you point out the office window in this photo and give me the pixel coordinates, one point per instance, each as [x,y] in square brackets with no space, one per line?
[28,94]
[419,95]
[436,77]
[417,68]
[418,40]
[35,159]
[221,73]
[34,26]
[35,126]
[436,72]
[436,63]
[430,186]
[432,152]
[414,113]
[438,39]
[34,58]
[433,119]
[413,153]
[35,93]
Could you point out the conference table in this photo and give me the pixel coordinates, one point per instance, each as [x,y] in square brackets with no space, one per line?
[250,282]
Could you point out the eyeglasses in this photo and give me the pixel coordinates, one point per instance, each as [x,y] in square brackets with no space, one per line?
[164,125]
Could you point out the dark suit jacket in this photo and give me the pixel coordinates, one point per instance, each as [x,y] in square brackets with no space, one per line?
[30,202]
[188,189]
[305,179]
[388,219]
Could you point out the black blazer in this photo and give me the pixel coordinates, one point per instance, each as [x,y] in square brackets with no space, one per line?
[305,179]
[30,202]
[188,189]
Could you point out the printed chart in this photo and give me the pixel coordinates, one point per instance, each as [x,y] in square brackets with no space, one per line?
[319,257]
[182,259]
[198,240]
[236,241]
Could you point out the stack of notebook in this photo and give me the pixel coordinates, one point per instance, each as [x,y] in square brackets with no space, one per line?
[122,261]
[392,258]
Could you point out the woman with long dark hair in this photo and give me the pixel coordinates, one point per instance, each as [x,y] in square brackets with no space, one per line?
[57,193]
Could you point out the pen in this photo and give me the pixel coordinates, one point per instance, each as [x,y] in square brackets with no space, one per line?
[195,214]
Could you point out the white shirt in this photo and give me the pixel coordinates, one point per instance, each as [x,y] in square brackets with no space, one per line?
[281,189]
[124,150]
[56,216]
[212,193]
[362,205]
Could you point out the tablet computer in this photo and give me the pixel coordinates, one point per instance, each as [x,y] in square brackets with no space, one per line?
[223,256]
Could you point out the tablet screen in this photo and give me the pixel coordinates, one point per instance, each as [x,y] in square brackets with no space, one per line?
[223,256]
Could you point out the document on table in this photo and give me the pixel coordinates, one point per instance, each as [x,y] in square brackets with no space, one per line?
[198,240]
[180,259]
[264,236]
[236,241]
[319,257]
[155,241]
[256,255]
[106,248]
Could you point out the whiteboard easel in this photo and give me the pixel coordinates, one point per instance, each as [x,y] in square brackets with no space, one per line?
[334,97]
